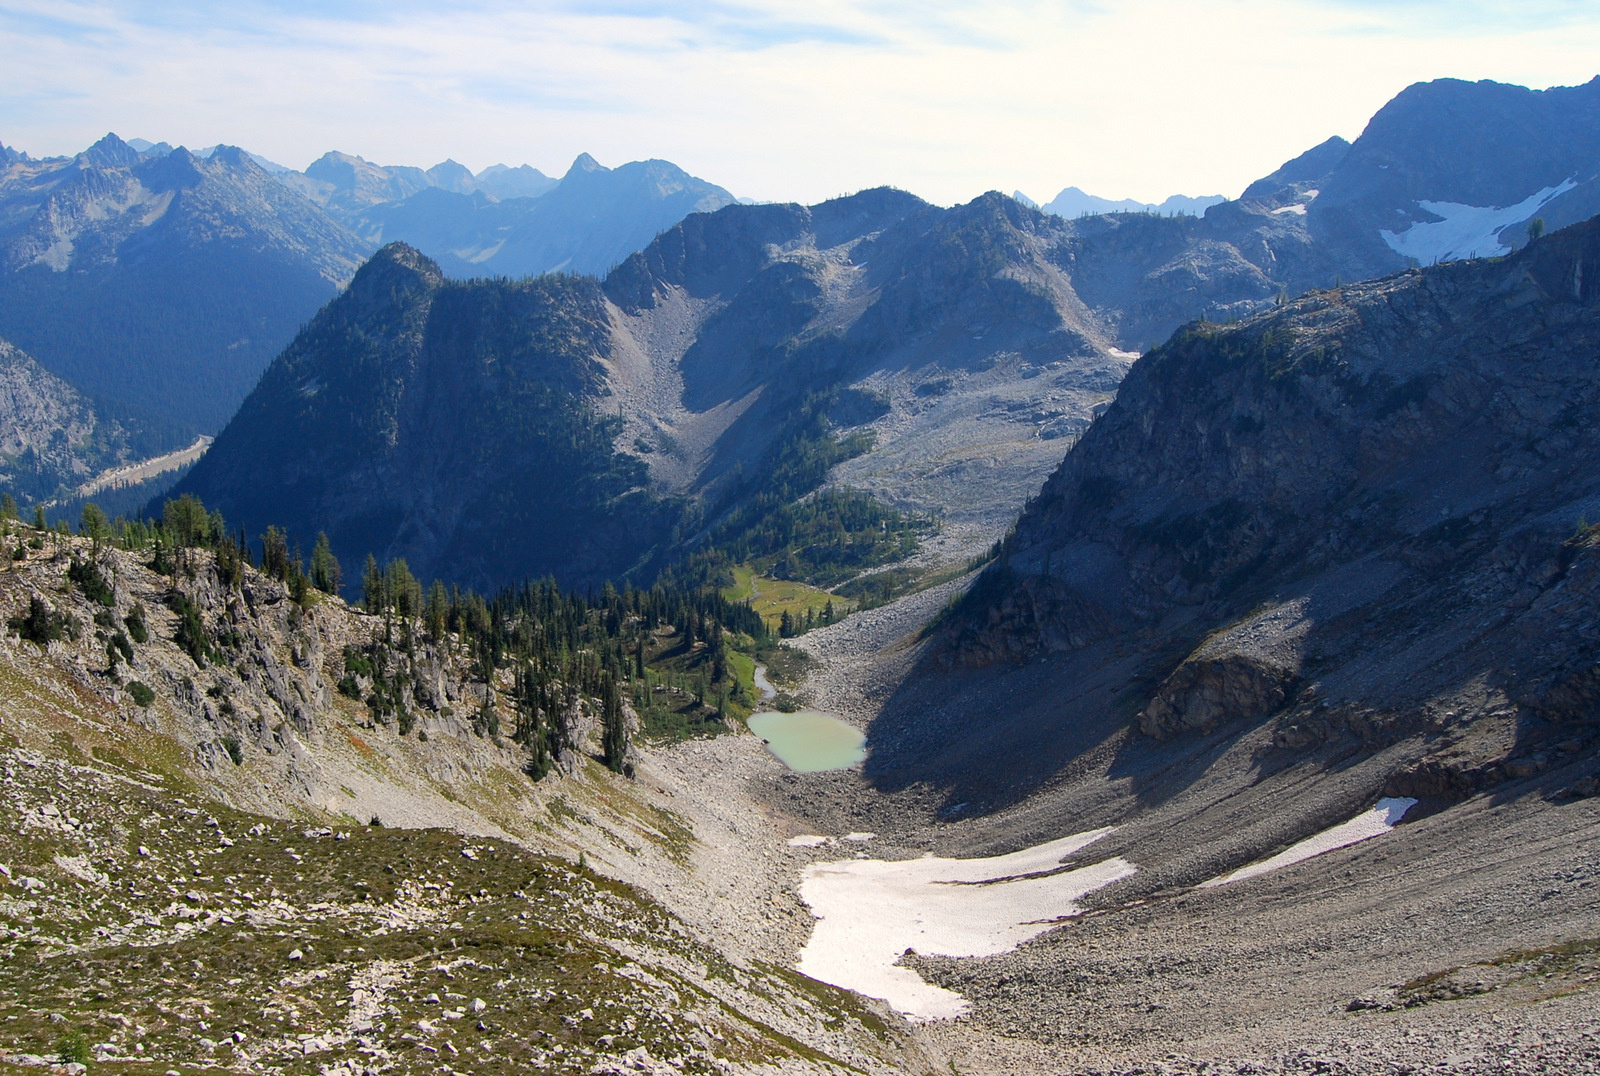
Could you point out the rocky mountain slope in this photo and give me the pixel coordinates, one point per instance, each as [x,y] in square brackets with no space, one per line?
[217,861]
[50,436]
[1452,169]
[1336,555]
[451,424]
[1365,515]
[966,346]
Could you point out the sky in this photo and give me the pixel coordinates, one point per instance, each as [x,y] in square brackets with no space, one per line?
[773,100]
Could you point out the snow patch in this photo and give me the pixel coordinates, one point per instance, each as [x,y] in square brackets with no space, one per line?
[870,912]
[809,840]
[859,837]
[1298,209]
[1467,231]
[1374,823]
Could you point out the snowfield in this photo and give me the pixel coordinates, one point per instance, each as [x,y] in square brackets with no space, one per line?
[1374,823]
[870,912]
[1467,231]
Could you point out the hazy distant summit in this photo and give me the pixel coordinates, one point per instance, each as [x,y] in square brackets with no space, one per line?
[507,221]
[1073,202]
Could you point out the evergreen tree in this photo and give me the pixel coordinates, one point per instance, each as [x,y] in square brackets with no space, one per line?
[614,726]
[325,572]
[186,522]
[401,588]
[437,611]
[275,554]
[93,523]
[372,585]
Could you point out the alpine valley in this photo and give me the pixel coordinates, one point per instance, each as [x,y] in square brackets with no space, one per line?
[1171,631]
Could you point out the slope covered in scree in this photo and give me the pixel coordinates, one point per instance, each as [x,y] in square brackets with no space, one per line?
[1361,516]
[212,857]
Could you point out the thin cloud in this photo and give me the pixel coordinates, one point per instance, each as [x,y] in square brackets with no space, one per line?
[1142,98]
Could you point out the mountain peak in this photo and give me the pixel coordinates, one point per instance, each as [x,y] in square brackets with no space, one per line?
[586,163]
[1311,166]
[233,157]
[452,176]
[110,152]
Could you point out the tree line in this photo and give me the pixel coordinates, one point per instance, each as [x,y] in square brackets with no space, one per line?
[562,648]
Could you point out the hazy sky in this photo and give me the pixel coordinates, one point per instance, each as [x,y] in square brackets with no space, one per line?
[773,100]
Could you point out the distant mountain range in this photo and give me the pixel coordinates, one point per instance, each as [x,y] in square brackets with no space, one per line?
[491,430]
[160,285]
[1073,202]
[675,387]
[510,222]
[159,282]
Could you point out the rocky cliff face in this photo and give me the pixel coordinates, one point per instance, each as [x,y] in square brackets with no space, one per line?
[50,436]
[1368,513]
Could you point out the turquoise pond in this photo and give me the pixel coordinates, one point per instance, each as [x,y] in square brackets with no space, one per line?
[810,741]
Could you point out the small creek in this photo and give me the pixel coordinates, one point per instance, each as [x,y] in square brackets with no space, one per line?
[763,685]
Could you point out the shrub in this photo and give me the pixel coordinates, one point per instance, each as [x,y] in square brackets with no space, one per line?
[73,1048]
[230,744]
[141,694]
[87,578]
[136,625]
[41,624]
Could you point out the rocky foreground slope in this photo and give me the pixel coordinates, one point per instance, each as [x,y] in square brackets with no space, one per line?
[215,863]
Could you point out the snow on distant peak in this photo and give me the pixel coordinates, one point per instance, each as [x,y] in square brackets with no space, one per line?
[1467,231]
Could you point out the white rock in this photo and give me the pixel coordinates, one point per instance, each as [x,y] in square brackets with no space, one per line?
[296,955]
[478,1005]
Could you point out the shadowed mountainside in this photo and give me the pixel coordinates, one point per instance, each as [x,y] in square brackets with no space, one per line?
[1359,523]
